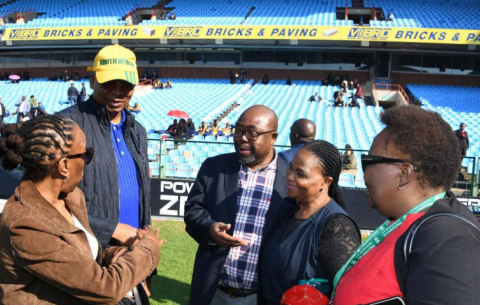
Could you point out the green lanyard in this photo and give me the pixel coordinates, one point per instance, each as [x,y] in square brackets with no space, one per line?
[379,235]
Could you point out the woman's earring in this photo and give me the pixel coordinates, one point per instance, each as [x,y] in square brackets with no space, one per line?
[321,191]
[66,179]
[400,187]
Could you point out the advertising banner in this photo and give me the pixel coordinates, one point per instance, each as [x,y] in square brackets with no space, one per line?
[332,33]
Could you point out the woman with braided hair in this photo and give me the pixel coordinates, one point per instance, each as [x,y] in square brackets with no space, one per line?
[48,253]
[319,236]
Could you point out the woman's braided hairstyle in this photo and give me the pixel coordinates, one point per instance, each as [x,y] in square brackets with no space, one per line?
[330,163]
[38,144]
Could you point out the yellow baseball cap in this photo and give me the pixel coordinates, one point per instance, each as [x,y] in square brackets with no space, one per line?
[115,62]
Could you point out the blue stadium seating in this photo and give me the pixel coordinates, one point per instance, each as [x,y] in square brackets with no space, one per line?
[408,13]
[456,105]
[430,14]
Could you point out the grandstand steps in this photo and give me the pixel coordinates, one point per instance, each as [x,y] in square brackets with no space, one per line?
[412,98]
[227,112]
[142,90]
[248,15]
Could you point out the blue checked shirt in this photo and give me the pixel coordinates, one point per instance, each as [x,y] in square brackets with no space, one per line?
[254,194]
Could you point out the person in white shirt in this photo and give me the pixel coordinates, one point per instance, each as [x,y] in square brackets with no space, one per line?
[23,110]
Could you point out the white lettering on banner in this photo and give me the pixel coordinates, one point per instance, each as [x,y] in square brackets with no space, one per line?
[470,201]
[167,209]
[176,187]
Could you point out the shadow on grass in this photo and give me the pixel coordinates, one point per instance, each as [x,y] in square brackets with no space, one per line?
[169,291]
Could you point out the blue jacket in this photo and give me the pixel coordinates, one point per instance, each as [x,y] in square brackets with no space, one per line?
[100,179]
[288,155]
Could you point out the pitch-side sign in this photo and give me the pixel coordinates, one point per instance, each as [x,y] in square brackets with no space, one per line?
[339,33]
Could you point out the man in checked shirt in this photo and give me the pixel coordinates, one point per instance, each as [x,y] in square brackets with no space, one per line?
[236,203]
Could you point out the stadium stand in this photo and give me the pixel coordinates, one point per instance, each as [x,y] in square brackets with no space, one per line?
[456,105]
[430,14]
[408,13]
[59,13]
[206,99]
[266,12]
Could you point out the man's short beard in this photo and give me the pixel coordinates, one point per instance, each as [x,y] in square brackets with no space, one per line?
[248,159]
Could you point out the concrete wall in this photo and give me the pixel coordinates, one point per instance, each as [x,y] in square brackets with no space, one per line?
[176,72]
[403,79]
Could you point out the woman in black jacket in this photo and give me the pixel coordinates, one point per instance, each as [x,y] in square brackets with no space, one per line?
[408,177]
[462,136]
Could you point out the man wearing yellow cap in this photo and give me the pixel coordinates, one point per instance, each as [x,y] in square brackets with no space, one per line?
[116,186]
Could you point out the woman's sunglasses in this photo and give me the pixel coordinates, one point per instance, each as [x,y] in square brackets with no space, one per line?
[371,159]
[87,156]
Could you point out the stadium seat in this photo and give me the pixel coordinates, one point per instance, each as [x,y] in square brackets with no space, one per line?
[346,180]
[170,170]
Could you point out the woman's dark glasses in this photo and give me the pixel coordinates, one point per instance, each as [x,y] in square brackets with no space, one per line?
[87,156]
[371,159]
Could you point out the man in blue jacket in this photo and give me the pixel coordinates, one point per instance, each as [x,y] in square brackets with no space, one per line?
[301,132]
[117,185]
[235,205]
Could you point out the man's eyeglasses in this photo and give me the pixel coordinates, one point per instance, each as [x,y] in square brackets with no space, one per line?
[111,85]
[371,159]
[250,134]
[87,156]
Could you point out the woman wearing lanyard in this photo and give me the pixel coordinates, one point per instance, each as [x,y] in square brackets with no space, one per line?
[409,171]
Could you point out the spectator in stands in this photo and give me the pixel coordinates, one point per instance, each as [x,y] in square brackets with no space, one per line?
[302,131]
[46,224]
[25,75]
[168,84]
[243,75]
[136,108]
[163,15]
[76,76]
[232,78]
[390,16]
[289,81]
[158,84]
[22,111]
[355,83]
[3,113]
[203,130]
[409,172]
[338,102]
[40,106]
[173,16]
[33,101]
[227,130]
[171,128]
[319,237]
[349,162]
[252,177]
[354,102]
[359,93]
[190,128]
[181,131]
[329,80]
[350,85]
[265,79]
[315,98]
[72,93]
[382,16]
[53,78]
[215,129]
[64,76]
[463,141]
[83,94]
[122,165]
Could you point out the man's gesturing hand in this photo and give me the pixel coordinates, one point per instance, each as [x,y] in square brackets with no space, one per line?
[218,233]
